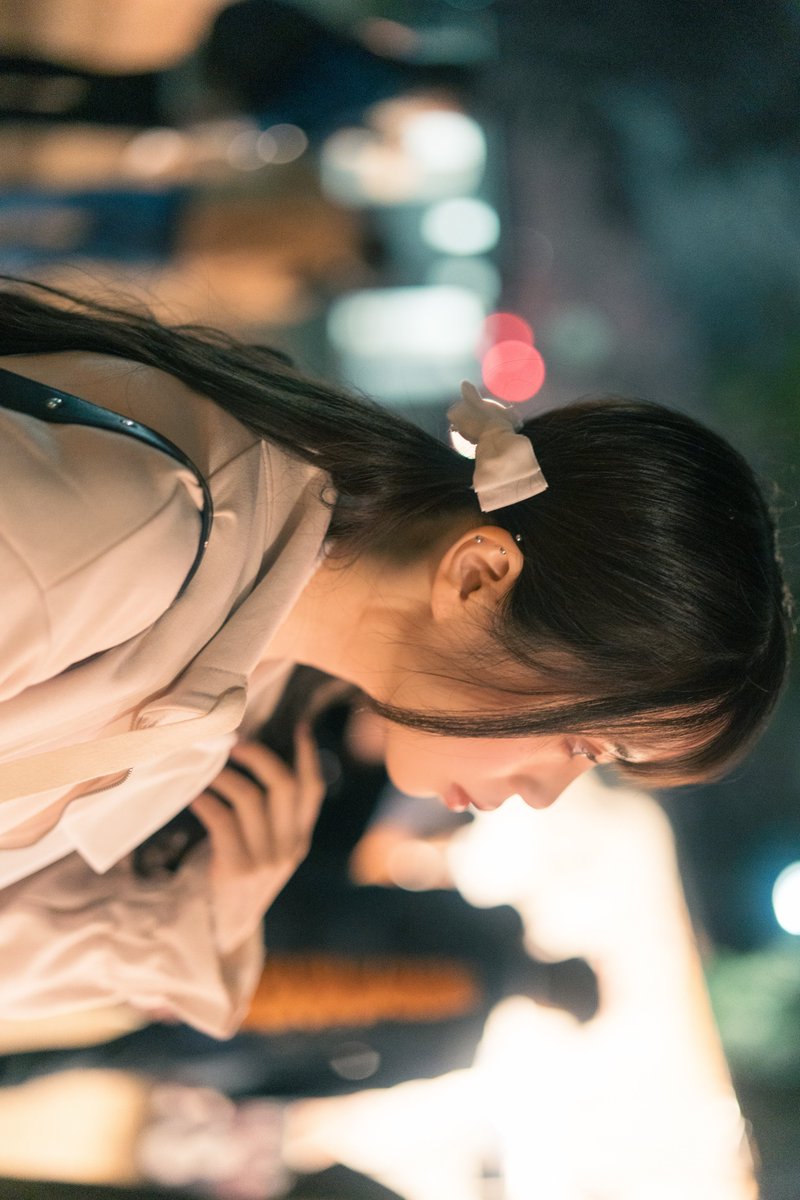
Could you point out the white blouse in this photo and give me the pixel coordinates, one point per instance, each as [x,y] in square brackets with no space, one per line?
[96,535]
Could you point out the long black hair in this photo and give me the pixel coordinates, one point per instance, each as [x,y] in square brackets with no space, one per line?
[651,603]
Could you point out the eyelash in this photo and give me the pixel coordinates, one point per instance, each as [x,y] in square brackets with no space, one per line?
[576,751]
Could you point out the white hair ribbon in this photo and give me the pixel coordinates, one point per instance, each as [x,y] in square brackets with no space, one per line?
[506,470]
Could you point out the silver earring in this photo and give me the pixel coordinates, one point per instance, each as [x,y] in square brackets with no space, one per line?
[502,551]
[517,537]
[478,538]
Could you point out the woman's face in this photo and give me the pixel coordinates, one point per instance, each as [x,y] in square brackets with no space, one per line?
[481,771]
[486,771]
[428,664]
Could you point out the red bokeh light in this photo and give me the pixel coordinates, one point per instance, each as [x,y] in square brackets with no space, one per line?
[504,327]
[513,370]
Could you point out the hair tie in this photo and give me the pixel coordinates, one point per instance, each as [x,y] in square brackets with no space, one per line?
[506,470]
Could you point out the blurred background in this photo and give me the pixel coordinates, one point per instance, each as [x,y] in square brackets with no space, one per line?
[601,1002]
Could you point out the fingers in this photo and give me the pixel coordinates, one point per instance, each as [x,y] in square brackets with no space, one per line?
[259,788]
[262,764]
[259,814]
[311,782]
[242,801]
[257,809]
[225,839]
[268,806]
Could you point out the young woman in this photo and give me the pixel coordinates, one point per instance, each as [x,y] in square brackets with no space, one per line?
[601,586]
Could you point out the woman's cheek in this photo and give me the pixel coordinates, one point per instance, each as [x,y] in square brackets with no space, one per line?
[412,770]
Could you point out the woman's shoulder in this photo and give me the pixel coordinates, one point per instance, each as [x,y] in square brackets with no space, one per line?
[97,533]
[204,430]
[75,475]
[98,378]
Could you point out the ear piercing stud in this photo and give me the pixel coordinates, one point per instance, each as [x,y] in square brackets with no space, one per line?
[478,538]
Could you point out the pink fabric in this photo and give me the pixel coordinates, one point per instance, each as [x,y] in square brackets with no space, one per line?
[119,939]
[92,555]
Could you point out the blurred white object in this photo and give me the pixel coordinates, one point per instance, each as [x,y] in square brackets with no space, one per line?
[461,225]
[786,898]
[409,153]
[405,344]
[449,147]
[643,1091]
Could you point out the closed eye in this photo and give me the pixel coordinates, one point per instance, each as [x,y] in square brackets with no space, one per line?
[611,752]
[579,749]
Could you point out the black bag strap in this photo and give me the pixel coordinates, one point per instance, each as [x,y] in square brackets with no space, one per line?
[62,408]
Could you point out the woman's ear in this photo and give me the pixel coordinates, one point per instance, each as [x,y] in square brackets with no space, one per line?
[476,571]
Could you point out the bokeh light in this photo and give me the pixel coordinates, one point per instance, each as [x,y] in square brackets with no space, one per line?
[403,344]
[504,327]
[513,370]
[242,152]
[445,142]
[463,225]
[464,447]
[389,38]
[434,321]
[409,152]
[476,273]
[786,898]
[154,151]
[281,144]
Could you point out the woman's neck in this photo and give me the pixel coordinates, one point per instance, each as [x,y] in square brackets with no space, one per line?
[352,620]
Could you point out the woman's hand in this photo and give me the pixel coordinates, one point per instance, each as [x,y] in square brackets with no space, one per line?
[259,815]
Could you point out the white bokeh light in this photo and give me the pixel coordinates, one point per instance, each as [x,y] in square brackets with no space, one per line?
[463,225]
[406,343]
[786,898]
[436,322]
[445,142]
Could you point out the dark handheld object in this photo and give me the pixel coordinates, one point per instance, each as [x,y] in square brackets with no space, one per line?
[305,697]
